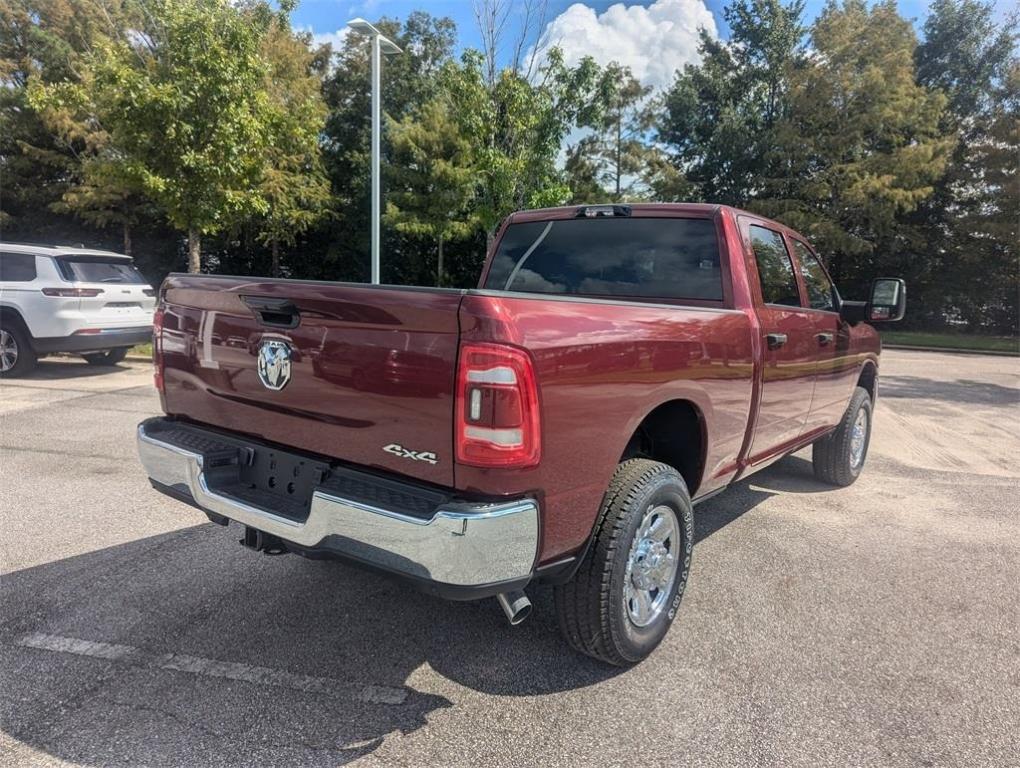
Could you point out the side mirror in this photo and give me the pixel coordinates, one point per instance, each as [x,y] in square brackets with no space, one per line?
[888,300]
[887,303]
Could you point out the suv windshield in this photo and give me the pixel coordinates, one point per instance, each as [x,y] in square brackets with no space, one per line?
[98,269]
[640,257]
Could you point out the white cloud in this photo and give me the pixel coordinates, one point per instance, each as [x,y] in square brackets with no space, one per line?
[654,41]
[335,38]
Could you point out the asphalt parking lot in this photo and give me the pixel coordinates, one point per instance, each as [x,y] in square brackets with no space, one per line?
[875,625]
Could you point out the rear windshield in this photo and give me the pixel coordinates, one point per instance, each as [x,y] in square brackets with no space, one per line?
[653,257]
[98,269]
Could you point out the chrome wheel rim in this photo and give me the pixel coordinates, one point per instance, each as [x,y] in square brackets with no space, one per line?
[651,566]
[8,351]
[858,439]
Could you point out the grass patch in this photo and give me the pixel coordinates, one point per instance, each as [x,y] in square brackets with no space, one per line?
[1009,344]
[142,350]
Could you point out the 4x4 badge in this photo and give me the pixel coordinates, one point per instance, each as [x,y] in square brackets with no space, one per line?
[404,453]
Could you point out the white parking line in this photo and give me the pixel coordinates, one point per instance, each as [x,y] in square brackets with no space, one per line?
[196,665]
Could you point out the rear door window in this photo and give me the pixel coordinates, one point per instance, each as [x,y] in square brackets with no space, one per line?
[98,269]
[16,267]
[819,287]
[775,270]
[637,257]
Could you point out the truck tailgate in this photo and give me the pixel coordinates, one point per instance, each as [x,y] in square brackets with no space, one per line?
[371,368]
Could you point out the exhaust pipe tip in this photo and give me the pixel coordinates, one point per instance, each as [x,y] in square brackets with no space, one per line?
[515,605]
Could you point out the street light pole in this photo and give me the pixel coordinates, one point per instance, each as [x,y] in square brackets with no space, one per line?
[376,151]
[380,45]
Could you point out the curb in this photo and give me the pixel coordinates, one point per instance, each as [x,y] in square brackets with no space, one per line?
[952,350]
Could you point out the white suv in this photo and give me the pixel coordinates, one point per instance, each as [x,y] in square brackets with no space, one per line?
[63,299]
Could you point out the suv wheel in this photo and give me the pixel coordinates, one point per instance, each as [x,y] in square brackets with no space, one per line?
[110,357]
[17,357]
[627,590]
[839,458]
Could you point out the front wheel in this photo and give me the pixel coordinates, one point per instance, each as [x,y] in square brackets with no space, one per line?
[839,457]
[110,357]
[626,592]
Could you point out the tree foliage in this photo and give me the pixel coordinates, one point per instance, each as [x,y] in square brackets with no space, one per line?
[861,144]
[408,81]
[968,227]
[720,116]
[183,104]
[517,127]
[41,159]
[432,179]
[895,155]
[293,182]
[615,155]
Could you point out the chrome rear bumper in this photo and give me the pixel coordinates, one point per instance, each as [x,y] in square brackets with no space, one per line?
[460,545]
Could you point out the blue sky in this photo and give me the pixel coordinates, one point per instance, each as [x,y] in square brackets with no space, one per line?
[654,37]
[329,15]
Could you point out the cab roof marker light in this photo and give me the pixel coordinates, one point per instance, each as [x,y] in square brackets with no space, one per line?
[598,211]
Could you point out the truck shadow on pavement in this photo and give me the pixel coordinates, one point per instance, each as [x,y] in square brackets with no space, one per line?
[961,391]
[791,474]
[184,648]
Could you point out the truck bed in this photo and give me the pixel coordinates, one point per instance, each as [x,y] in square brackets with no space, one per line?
[374,366]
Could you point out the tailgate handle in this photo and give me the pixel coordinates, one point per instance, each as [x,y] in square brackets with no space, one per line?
[279,313]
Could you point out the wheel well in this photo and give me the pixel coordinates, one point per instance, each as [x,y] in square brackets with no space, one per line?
[869,380]
[12,316]
[674,434]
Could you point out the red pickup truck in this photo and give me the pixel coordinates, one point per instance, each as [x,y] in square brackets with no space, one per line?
[615,366]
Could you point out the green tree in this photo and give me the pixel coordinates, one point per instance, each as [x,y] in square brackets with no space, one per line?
[408,81]
[183,101]
[617,152]
[861,145]
[432,179]
[583,172]
[104,197]
[719,117]
[40,159]
[968,227]
[293,184]
[517,126]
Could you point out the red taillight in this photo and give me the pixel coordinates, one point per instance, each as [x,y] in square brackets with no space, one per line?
[72,293]
[157,349]
[497,419]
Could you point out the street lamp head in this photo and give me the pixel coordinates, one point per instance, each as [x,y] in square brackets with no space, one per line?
[385,44]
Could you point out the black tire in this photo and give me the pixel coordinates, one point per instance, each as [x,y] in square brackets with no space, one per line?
[16,352]
[110,357]
[833,455]
[594,615]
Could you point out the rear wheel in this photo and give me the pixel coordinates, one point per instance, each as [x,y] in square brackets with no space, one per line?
[110,357]
[626,592]
[839,458]
[17,358]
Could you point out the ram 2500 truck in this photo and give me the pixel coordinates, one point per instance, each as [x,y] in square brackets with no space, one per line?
[615,366]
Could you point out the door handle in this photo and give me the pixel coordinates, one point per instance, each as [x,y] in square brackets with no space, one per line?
[280,313]
[824,339]
[775,340]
